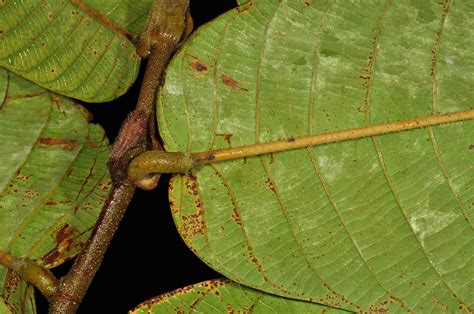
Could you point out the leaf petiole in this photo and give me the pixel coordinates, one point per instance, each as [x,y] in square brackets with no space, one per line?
[31,272]
[166,162]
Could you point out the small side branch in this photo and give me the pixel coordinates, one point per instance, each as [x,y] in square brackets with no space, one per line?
[31,272]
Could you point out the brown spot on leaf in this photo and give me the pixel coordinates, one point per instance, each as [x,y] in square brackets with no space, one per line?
[270,185]
[471,147]
[87,206]
[22,177]
[51,257]
[200,67]
[11,284]
[255,261]
[227,136]
[230,82]
[65,232]
[30,193]
[245,7]
[174,208]
[76,208]
[197,64]
[382,307]
[207,285]
[440,304]
[192,184]
[334,299]
[214,284]
[236,216]
[104,185]
[397,300]
[193,304]
[193,224]
[463,307]
[67,144]
[281,288]
[65,242]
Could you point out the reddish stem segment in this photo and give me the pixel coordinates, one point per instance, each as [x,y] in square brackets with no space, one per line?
[73,287]
[167,25]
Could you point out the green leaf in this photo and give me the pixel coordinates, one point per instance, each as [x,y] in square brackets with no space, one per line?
[81,49]
[5,309]
[53,180]
[369,224]
[224,296]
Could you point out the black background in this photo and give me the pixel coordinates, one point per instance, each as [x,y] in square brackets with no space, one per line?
[147,257]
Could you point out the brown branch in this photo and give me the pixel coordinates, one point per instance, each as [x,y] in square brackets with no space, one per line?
[167,25]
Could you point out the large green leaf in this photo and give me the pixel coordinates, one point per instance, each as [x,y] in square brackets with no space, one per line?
[224,296]
[78,48]
[370,224]
[53,180]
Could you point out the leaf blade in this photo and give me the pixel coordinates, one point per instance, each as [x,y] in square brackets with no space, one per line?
[323,207]
[73,48]
[54,180]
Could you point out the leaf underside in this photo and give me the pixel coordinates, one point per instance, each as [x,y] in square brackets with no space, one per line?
[81,49]
[53,180]
[372,224]
[224,296]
